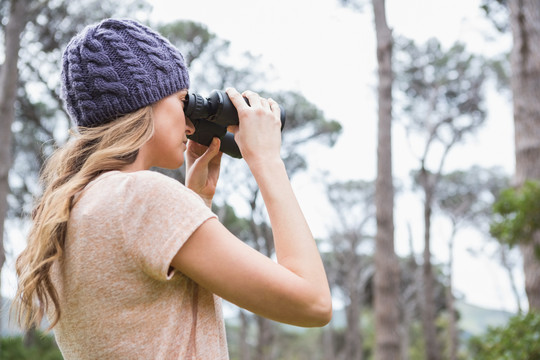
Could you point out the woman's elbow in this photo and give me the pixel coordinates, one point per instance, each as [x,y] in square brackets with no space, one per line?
[321,312]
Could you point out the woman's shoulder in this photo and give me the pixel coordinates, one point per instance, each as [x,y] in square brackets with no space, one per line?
[153,183]
[155,190]
[137,183]
[141,184]
[144,178]
[148,176]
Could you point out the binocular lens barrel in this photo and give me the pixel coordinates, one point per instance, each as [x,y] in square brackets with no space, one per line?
[211,116]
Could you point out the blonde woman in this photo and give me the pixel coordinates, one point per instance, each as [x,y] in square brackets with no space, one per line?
[127,263]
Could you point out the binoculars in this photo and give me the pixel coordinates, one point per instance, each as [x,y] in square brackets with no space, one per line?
[211,116]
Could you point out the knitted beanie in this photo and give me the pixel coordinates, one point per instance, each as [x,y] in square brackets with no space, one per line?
[116,67]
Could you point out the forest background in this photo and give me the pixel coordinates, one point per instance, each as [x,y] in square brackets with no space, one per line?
[320,59]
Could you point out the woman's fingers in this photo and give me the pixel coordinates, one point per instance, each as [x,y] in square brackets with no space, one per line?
[258,132]
[254,99]
[210,152]
[237,99]
[274,106]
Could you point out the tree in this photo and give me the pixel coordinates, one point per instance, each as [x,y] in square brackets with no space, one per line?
[465,197]
[521,17]
[525,64]
[497,13]
[408,298]
[442,101]
[518,340]
[411,305]
[9,80]
[518,216]
[386,282]
[349,262]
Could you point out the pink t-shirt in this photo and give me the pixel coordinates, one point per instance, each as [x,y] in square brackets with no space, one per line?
[119,296]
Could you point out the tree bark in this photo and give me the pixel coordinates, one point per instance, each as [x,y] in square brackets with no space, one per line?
[265,339]
[525,63]
[428,300]
[328,342]
[504,253]
[353,338]
[453,339]
[354,344]
[243,346]
[9,78]
[386,282]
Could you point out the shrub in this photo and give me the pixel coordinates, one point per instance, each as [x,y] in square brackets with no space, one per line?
[518,340]
[45,348]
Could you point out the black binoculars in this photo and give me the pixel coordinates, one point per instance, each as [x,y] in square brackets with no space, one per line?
[211,116]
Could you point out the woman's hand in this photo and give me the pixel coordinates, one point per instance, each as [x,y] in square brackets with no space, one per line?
[202,169]
[258,134]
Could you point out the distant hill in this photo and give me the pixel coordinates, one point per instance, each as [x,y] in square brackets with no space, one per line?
[475,320]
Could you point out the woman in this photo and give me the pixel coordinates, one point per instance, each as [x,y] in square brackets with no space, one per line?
[130,264]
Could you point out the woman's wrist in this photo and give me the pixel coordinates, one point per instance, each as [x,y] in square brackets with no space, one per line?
[207,201]
[204,197]
[263,164]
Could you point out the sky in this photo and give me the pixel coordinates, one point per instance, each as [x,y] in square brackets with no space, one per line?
[327,53]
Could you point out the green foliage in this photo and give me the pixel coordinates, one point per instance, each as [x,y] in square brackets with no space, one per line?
[45,348]
[468,195]
[498,13]
[518,340]
[442,88]
[517,214]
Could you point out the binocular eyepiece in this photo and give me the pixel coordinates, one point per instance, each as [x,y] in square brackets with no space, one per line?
[211,116]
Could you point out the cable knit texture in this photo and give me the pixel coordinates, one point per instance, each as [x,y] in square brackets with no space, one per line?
[116,67]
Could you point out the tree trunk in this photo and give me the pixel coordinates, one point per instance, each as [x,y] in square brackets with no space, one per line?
[328,350]
[409,300]
[353,346]
[428,308]
[265,338]
[525,62]
[243,346]
[504,253]
[405,328]
[386,282]
[9,78]
[453,339]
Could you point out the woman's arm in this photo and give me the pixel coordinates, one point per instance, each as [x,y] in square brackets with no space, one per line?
[221,263]
[295,289]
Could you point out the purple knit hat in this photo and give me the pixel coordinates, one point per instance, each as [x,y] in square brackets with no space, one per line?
[116,67]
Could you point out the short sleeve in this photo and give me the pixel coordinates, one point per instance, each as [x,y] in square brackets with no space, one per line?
[159,215]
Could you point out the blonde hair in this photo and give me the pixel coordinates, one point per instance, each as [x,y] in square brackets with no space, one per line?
[89,153]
